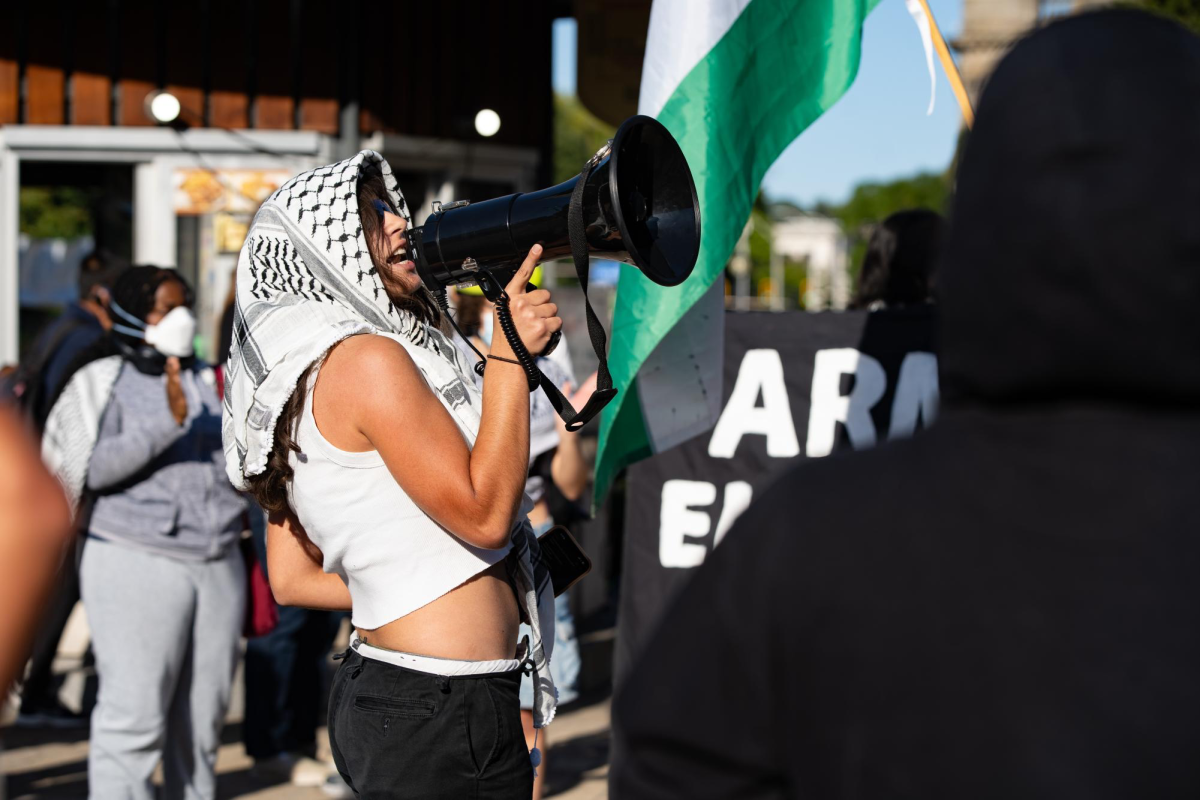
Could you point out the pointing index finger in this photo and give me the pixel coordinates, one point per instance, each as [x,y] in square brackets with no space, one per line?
[521,279]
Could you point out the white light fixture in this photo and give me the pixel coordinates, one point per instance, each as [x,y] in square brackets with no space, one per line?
[162,107]
[487,122]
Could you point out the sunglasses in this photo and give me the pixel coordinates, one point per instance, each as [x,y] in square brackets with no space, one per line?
[383,208]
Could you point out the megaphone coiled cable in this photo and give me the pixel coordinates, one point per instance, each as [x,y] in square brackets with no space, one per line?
[444,304]
[532,374]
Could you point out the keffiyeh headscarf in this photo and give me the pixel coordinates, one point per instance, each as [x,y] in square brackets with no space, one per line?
[305,281]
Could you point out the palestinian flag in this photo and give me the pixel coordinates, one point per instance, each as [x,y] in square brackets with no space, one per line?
[735,81]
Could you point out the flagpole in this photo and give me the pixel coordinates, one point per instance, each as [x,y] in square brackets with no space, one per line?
[949,67]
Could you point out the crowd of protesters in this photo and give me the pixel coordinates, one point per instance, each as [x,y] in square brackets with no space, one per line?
[162,545]
[1028,632]
[1029,629]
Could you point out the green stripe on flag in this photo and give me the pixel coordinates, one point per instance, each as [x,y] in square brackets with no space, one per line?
[781,65]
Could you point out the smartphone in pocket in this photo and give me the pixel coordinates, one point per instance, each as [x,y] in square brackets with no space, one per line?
[564,558]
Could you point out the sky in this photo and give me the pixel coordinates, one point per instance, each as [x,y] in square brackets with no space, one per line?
[877,131]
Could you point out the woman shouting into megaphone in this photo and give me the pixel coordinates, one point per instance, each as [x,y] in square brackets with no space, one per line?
[394,486]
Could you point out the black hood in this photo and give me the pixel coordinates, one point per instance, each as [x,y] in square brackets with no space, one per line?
[1072,270]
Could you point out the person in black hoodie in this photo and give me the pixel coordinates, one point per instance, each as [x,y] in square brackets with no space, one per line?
[898,267]
[1006,605]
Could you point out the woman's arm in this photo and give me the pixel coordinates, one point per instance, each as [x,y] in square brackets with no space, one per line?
[369,394]
[294,568]
[568,469]
[35,530]
[125,446]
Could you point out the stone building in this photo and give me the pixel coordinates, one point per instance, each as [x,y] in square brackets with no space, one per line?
[265,89]
[989,28]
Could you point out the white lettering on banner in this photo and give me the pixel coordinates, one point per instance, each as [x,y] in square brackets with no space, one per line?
[830,406]
[916,394]
[678,521]
[760,370]
[737,498]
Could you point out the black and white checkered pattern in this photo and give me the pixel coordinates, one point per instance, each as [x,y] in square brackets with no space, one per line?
[305,281]
[73,425]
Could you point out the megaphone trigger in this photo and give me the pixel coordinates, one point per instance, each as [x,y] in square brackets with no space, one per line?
[492,285]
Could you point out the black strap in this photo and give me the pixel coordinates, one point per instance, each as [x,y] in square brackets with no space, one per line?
[604,387]
[579,252]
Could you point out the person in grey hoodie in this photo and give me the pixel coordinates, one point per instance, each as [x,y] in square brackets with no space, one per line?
[162,578]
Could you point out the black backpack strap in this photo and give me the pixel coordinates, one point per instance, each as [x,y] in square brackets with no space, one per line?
[36,394]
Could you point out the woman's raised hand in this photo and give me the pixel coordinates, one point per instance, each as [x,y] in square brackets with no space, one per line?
[534,316]
[176,399]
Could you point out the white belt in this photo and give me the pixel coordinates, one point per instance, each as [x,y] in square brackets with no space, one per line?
[431,664]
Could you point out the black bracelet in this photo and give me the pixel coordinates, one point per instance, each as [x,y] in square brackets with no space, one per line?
[509,360]
[524,359]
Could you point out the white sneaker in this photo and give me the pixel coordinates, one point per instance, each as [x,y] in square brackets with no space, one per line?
[336,787]
[294,768]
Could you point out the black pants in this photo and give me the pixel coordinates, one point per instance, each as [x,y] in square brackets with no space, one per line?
[285,675]
[398,733]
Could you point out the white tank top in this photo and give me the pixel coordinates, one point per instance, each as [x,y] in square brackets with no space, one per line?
[393,558]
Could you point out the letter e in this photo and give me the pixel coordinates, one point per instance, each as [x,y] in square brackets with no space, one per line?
[678,521]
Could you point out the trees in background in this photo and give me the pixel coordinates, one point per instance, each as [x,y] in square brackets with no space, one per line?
[1186,11]
[578,134]
[55,212]
[871,203]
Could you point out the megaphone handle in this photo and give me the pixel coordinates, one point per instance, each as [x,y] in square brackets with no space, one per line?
[604,388]
[532,374]
[492,289]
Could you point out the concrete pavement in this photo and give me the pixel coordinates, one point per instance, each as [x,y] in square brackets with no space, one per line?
[52,765]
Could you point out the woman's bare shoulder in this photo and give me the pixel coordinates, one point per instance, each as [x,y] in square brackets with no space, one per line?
[361,367]
[354,354]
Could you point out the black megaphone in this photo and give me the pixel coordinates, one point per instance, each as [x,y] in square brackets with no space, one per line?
[635,202]
[639,206]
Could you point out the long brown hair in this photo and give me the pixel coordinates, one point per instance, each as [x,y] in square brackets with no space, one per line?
[270,487]
[420,302]
[470,313]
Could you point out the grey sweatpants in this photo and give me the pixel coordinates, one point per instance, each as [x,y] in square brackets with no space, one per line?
[165,633]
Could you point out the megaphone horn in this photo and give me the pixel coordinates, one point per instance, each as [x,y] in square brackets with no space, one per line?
[639,207]
[635,201]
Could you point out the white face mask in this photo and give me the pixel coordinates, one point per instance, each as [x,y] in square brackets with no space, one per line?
[173,335]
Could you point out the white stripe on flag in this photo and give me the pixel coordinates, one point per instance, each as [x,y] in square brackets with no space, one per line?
[681,33]
[918,15]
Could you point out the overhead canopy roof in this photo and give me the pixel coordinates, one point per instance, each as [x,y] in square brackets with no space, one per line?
[611,43]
